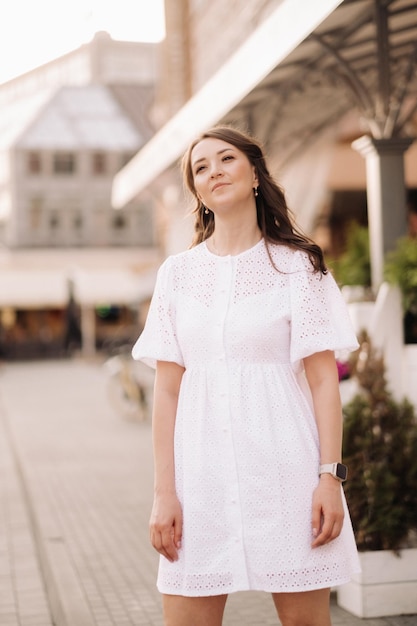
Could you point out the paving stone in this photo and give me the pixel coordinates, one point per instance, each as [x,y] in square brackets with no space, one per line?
[23,600]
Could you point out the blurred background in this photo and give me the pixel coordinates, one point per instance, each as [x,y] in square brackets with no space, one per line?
[76,95]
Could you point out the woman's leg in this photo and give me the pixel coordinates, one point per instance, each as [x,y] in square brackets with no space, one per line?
[307,608]
[184,611]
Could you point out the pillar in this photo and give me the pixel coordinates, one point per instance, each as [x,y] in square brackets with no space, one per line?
[386,195]
[88,330]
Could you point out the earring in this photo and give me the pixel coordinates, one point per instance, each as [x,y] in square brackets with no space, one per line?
[255,191]
[206,210]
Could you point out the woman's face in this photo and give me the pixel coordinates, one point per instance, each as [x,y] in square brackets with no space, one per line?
[222,174]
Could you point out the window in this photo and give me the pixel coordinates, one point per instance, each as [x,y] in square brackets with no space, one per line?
[77,220]
[35,213]
[34,163]
[53,220]
[64,163]
[125,158]
[99,163]
[119,222]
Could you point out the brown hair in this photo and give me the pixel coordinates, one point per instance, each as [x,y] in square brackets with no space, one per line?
[275,219]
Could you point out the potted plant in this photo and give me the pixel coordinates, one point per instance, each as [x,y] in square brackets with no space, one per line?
[380,448]
[352,270]
[401,269]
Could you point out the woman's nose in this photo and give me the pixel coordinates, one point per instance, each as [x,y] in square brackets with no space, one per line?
[215,171]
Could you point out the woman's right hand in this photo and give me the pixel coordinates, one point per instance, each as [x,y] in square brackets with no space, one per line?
[166,525]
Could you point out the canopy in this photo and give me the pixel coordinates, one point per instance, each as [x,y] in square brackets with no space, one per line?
[33,289]
[301,71]
[43,289]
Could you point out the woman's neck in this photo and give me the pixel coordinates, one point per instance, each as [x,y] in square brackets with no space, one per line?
[231,241]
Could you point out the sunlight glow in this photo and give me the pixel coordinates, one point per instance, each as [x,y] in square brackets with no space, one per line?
[33,33]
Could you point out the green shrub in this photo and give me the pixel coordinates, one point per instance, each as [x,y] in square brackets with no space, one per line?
[401,270]
[353,267]
[380,448]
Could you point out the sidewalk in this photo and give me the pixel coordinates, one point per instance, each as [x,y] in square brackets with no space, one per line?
[75,496]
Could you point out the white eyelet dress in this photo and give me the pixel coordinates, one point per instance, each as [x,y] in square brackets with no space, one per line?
[246,443]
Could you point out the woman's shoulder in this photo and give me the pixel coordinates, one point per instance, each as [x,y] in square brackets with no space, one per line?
[290,259]
[182,259]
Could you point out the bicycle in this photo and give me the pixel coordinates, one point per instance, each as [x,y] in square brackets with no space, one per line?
[130,386]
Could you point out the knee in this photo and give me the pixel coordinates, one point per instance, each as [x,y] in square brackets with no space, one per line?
[303,609]
[294,618]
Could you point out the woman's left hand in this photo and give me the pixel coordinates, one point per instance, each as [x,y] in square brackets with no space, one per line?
[327,511]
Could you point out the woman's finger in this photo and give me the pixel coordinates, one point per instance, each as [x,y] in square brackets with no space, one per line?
[164,544]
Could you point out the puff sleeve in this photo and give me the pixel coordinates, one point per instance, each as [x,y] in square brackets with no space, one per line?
[319,315]
[158,340]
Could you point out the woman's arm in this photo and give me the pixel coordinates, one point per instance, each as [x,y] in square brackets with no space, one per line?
[322,377]
[166,517]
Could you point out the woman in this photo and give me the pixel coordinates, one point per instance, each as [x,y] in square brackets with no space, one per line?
[242,330]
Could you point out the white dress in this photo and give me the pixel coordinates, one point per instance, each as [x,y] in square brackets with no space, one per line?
[246,443]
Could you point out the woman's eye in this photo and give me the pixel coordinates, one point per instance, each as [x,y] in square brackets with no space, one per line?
[199,169]
[228,157]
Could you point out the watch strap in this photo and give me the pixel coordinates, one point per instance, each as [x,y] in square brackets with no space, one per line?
[337,470]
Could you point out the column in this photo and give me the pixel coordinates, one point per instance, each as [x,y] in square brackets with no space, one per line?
[387,212]
[88,330]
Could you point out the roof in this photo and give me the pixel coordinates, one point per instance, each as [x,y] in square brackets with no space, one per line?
[359,58]
[83,117]
[136,100]
[336,57]
[16,117]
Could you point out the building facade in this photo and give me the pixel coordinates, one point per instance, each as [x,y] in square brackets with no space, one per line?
[62,170]
[200,37]
[67,259]
[71,126]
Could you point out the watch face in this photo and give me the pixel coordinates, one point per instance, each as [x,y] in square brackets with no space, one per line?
[341,471]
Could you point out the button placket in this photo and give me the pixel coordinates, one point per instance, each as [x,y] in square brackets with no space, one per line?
[225,275]
[226,279]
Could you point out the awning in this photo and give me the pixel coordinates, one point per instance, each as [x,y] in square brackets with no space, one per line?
[42,278]
[33,289]
[290,23]
[48,289]
[119,287]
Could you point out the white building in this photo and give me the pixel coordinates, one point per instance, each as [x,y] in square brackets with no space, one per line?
[66,128]
[61,171]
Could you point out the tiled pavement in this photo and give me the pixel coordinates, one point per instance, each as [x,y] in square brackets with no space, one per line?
[75,494]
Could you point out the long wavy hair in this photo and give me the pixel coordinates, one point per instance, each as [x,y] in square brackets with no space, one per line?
[275,219]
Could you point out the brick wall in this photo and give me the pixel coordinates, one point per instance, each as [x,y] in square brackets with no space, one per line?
[200,36]
[218,28]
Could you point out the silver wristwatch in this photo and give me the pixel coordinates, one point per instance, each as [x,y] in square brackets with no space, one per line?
[337,470]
